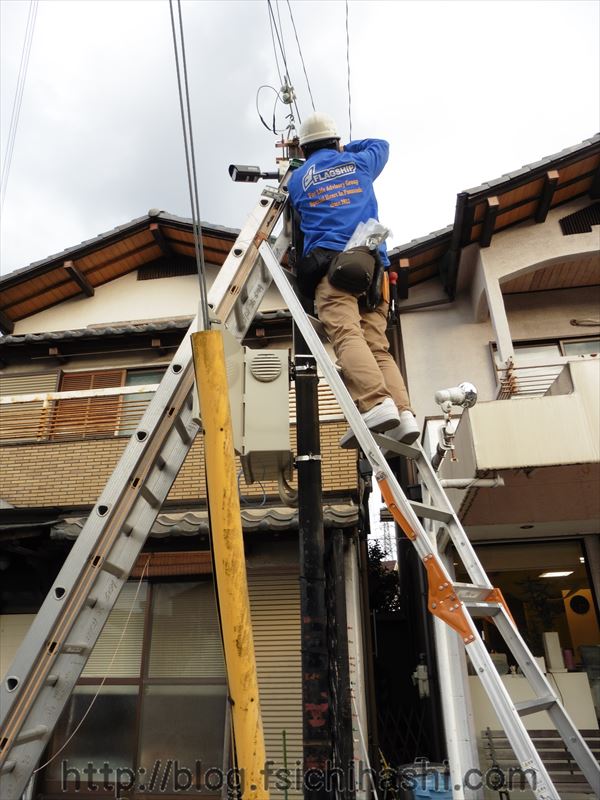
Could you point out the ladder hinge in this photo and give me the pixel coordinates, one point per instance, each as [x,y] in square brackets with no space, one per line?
[444,602]
[388,499]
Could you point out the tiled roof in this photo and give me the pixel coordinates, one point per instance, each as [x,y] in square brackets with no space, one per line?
[153,215]
[192,523]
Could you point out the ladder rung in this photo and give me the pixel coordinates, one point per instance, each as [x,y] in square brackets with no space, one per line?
[183,432]
[477,609]
[150,497]
[431,512]
[470,592]
[396,447]
[532,706]
[114,569]
[76,648]
[33,733]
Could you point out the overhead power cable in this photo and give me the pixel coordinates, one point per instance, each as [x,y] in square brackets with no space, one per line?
[301,56]
[348,65]
[190,160]
[281,31]
[18,99]
[274,45]
[279,34]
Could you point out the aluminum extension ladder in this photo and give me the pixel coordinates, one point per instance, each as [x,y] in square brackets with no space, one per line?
[55,650]
[59,642]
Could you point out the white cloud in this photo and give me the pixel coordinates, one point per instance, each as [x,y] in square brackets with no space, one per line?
[464,91]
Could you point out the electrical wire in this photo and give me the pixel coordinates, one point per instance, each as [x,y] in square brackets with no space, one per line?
[281,29]
[274,45]
[279,35]
[190,160]
[348,66]
[272,128]
[18,99]
[243,499]
[106,673]
[301,56]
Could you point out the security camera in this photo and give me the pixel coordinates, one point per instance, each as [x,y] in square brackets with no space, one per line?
[465,395]
[246,173]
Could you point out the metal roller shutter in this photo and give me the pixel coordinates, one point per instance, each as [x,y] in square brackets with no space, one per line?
[275,608]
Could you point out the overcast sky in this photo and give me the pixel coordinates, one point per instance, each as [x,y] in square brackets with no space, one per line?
[464,91]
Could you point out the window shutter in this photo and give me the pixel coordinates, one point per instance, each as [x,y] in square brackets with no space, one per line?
[25,421]
[92,416]
[128,658]
[186,640]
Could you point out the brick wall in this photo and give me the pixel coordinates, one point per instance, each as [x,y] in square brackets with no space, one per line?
[74,473]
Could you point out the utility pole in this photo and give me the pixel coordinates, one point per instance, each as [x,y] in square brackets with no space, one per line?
[316,709]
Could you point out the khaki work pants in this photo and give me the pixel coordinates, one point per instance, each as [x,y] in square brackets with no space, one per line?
[361,347]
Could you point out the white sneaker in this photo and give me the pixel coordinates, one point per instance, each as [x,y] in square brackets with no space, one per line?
[380,418]
[407,431]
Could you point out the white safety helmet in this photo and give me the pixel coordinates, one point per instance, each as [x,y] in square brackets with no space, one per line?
[317,127]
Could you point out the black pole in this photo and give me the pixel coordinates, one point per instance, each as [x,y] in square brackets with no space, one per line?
[316,711]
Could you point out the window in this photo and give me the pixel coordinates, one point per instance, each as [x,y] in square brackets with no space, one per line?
[547,588]
[93,417]
[581,347]
[77,418]
[164,700]
[134,405]
[550,350]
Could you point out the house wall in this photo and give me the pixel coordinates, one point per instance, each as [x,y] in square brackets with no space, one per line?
[517,250]
[448,344]
[30,471]
[126,299]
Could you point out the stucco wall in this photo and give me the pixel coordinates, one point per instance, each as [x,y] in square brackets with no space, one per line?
[449,343]
[516,250]
[126,300]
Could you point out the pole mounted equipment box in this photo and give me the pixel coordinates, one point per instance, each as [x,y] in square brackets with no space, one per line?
[266,450]
[259,399]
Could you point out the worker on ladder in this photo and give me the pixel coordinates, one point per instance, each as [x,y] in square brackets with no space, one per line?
[331,193]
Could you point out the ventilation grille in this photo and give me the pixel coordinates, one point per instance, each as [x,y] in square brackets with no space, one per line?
[167,269]
[581,221]
[265,367]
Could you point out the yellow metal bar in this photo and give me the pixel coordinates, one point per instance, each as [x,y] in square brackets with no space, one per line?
[230,565]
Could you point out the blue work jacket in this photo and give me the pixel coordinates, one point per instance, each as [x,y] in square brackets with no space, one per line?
[333,192]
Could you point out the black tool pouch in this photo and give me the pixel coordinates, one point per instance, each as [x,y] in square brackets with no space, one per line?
[352,270]
[372,298]
[312,268]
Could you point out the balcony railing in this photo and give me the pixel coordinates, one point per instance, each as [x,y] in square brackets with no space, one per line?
[531,380]
[64,416]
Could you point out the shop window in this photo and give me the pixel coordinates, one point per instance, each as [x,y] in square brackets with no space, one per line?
[163,699]
[547,588]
